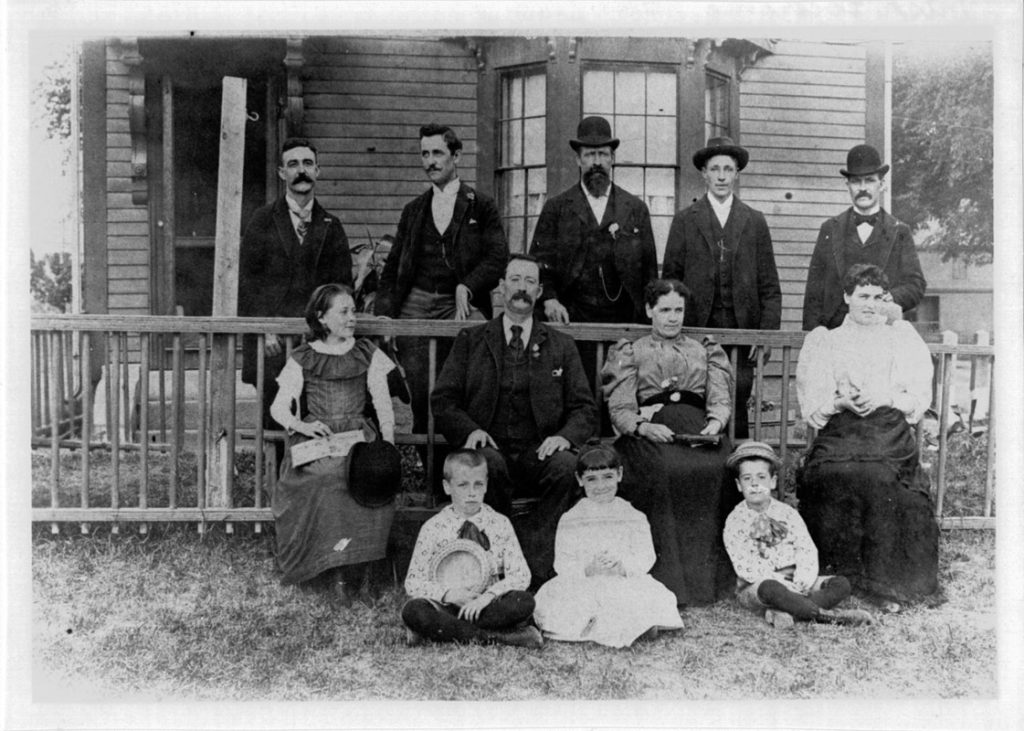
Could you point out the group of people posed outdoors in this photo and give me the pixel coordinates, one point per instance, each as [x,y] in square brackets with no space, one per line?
[646,508]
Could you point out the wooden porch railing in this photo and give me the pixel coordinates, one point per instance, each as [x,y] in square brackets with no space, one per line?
[72,353]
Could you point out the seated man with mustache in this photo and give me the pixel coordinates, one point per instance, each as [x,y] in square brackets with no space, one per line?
[514,389]
[595,244]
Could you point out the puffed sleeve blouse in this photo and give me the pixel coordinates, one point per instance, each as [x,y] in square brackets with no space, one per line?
[887,359]
[634,372]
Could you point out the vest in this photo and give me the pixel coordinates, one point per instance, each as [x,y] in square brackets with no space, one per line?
[435,263]
[513,417]
[723,313]
[600,296]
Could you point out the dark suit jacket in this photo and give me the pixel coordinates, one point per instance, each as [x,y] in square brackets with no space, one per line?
[481,250]
[691,255]
[823,298]
[466,394]
[269,268]
[563,226]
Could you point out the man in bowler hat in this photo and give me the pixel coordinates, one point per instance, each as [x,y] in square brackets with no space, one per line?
[862,234]
[722,250]
[594,243]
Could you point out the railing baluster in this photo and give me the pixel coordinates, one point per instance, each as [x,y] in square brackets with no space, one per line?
[177,416]
[54,367]
[991,451]
[734,361]
[144,419]
[431,377]
[47,370]
[948,367]
[784,417]
[203,423]
[161,367]
[232,435]
[758,390]
[126,389]
[115,428]
[87,406]
[34,389]
[259,464]
[57,339]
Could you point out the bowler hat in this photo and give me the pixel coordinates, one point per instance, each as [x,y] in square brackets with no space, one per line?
[863,160]
[593,132]
[751,450]
[721,146]
[374,473]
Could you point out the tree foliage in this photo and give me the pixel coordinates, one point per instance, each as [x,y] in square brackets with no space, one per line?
[51,279]
[942,149]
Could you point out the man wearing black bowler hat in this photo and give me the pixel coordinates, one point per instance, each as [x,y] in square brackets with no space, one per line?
[863,234]
[722,250]
[594,243]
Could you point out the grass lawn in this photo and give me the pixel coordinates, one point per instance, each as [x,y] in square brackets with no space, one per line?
[172,615]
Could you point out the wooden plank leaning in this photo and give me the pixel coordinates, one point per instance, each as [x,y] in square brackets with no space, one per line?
[220,472]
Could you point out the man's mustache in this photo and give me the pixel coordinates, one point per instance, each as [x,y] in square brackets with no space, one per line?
[863,194]
[522,296]
[596,171]
[302,178]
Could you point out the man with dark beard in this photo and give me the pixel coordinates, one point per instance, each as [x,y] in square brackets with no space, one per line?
[514,389]
[594,243]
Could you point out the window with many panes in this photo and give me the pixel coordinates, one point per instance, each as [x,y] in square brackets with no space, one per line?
[716,105]
[640,102]
[522,172]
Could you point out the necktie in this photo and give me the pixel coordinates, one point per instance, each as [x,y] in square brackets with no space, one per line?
[470,532]
[858,219]
[516,343]
[303,228]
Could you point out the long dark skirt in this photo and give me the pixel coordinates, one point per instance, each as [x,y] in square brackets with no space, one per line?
[319,526]
[865,499]
[685,494]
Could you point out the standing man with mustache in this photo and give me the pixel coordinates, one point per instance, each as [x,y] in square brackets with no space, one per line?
[594,243]
[515,389]
[448,254]
[863,234]
[290,248]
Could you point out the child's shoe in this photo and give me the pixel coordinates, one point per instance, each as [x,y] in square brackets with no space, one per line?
[412,638]
[779,619]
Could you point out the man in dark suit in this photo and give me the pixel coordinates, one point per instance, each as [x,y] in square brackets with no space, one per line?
[722,250]
[515,388]
[863,234]
[448,254]
[594,243]
[290,248]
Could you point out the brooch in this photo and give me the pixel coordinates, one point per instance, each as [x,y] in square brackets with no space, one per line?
[613,229]
[557,373]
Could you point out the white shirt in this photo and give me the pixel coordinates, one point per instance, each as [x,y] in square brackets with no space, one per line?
[721,209]
[527,326]
[442,204]
[597,205]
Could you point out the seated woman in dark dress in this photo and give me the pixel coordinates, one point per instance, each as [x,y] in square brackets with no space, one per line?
[324,533]
[862,490]
[658,387]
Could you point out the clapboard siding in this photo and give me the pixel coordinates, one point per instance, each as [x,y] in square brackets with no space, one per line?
[128,281]
[365,99]
[801,109]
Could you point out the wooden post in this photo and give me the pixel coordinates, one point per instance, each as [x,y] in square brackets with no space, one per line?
[220,474]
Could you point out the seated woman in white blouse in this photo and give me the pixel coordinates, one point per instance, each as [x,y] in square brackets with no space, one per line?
[862,490]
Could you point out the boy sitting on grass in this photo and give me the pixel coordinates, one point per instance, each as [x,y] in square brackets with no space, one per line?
[775,559]
[497,612]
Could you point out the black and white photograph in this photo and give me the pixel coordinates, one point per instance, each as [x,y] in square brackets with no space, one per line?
[578,365]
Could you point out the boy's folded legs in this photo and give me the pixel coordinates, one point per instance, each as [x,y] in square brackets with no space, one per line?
[501,621]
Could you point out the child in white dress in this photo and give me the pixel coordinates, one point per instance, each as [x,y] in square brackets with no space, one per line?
[603,550]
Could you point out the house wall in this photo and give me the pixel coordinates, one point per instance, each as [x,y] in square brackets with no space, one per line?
[127,224]
[365,100]
[801,109]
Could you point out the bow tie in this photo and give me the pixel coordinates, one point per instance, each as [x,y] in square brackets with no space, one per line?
[859,218]
[472,533]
